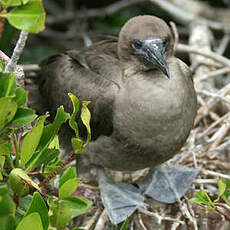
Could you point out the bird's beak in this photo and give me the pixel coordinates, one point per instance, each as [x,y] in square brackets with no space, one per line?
[154,49]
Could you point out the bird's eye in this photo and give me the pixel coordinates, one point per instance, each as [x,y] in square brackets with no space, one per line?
[165,41]
[137,44]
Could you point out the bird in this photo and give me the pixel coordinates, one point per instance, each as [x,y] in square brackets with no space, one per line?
[143,102]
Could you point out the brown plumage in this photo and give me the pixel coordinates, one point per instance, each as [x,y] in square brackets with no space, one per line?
[140,118]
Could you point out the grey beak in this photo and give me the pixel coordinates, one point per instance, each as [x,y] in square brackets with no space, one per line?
[155,49]
[151,52]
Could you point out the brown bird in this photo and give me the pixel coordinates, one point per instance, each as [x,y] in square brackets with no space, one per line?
[143,102]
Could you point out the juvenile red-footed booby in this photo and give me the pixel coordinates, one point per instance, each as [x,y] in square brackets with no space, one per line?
[143,102]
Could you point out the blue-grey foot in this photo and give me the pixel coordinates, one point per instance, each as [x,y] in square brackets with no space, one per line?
[119,199]
[168,183]
[164,183]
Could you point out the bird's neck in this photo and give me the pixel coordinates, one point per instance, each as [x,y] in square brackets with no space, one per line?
[129,69]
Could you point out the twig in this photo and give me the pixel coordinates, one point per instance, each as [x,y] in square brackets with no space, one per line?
[223,44]
[158,217]
[185,11]
[223,209]
[219,135]
[11,65]
[141,221]
[52,175]
[87,186]
[214,95]
[202,111]
[31,68]
[205,181]
[176,35]
[185,211]
[211,173]
[189,49]
[92,220]
[215,73]
[102,221]
[209,129]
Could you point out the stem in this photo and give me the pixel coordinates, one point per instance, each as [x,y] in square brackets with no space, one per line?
[10,67]
[52,175]
[16,151]
[9,159]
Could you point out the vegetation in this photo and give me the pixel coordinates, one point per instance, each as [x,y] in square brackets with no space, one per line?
[25,153]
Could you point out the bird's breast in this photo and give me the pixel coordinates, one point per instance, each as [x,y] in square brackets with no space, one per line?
[156,114]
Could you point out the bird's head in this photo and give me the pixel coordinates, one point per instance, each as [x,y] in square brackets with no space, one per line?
[146,42]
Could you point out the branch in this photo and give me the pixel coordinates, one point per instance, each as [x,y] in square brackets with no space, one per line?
[12,62]
[209,54]
[185,11]
[11,65]
[93,13]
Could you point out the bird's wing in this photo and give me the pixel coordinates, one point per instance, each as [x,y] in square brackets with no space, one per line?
[92,74]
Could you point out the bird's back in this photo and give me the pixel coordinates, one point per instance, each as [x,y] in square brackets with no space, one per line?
[92,74]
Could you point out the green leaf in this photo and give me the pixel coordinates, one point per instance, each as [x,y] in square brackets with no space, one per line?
[80,205]
[24,203]
[7,3]
[196,200]
[75,202]
[69,173]
[32,221]
[51,130]
[8,108]
[7,84]
[68,188]
[72,122]
[52,202]
[225,197]
[221,188]
[61,216]
[7,223]
[85,117]
[2,162]
[29,17]
[52,167]
[23,117]
[49,133]
[15,181]
[38,206]
[7,206]
[77,145]
[21,96]
[46,157]
[2,64]
[31,140]
[125,225]
[5,147]
[227,182]
[203,198]
[54,144]
[3,189]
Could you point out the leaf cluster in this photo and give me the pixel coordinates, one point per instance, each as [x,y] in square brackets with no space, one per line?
[27,15]
[37,149]
[205,201]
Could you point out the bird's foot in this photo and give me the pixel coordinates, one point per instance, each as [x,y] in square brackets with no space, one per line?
[168,183]
[164,183]
[120,199]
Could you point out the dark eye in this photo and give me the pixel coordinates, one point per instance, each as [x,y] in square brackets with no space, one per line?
[137,44]
[165,41]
